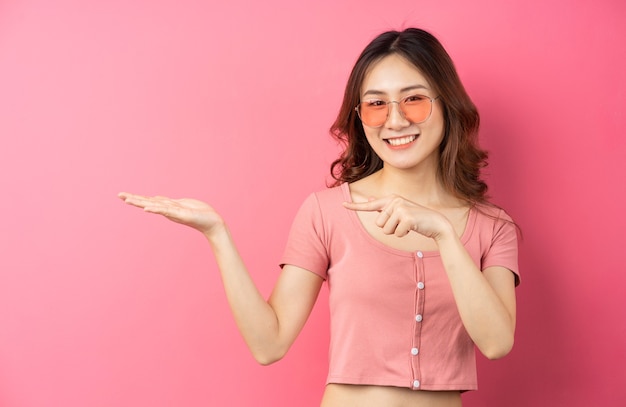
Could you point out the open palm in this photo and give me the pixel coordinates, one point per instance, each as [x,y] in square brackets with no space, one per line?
[190,212]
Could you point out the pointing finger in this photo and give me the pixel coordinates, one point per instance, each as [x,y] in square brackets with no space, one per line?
[370,206]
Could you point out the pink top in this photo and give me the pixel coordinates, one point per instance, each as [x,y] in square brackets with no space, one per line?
[394,321]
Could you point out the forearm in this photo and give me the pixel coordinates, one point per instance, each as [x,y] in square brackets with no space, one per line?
[254,317]
[489,322]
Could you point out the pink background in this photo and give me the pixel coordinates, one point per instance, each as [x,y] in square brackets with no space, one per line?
[230,102]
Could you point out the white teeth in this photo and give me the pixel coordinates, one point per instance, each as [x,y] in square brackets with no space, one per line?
[401,140]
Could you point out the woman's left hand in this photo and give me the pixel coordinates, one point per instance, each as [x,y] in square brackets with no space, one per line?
[399,216]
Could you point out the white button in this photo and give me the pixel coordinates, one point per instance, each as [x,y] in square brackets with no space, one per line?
[420,285]
[414,351]
[416,383]
[420,254]
[418,317]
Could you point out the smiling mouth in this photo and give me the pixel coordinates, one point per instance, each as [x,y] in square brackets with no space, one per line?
[400,141]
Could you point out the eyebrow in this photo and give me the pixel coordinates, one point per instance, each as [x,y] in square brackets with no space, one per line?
[408,88]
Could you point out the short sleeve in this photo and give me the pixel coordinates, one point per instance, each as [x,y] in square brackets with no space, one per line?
[306,246]
[503,250]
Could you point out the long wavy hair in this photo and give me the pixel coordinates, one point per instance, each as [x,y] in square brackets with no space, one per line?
[460,157]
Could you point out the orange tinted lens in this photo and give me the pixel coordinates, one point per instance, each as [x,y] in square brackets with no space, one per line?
[373,114]
[416,110]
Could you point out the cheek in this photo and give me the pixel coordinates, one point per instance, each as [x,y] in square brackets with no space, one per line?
[437,125]
[371,135]
[440,119]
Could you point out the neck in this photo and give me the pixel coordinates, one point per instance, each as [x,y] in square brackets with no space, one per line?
[421,186]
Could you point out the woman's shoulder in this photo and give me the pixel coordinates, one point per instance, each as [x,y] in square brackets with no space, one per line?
[325,201]
[333,194]
[492,211]
[492,220]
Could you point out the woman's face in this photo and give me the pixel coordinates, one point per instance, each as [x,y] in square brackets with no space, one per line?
[399,142]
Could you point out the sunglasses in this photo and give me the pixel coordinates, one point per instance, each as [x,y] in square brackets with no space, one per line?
[414,108]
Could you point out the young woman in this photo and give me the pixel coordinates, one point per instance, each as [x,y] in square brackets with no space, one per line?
[421,268]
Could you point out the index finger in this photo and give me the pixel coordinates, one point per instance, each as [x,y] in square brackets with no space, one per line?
[370,206]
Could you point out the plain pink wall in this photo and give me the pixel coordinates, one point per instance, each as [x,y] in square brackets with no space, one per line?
[101,305]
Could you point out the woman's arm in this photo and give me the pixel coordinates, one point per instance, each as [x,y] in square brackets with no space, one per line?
[485,299]
[268,327]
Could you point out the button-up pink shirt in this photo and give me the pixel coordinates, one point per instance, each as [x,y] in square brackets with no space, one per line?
[394,321]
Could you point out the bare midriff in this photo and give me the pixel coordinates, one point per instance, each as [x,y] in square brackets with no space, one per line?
[347,395]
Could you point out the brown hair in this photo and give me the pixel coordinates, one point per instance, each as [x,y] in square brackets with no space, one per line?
[461,159]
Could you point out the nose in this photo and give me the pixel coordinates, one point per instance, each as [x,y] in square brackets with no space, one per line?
[395,117]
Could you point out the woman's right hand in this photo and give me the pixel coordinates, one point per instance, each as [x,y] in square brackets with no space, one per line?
[269,327]
[189,212]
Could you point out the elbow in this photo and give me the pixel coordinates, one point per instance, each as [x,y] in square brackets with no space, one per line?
[268,357]
[496,353]
[498,350]
[266,360]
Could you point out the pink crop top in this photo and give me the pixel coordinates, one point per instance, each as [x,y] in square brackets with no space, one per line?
[394,321]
